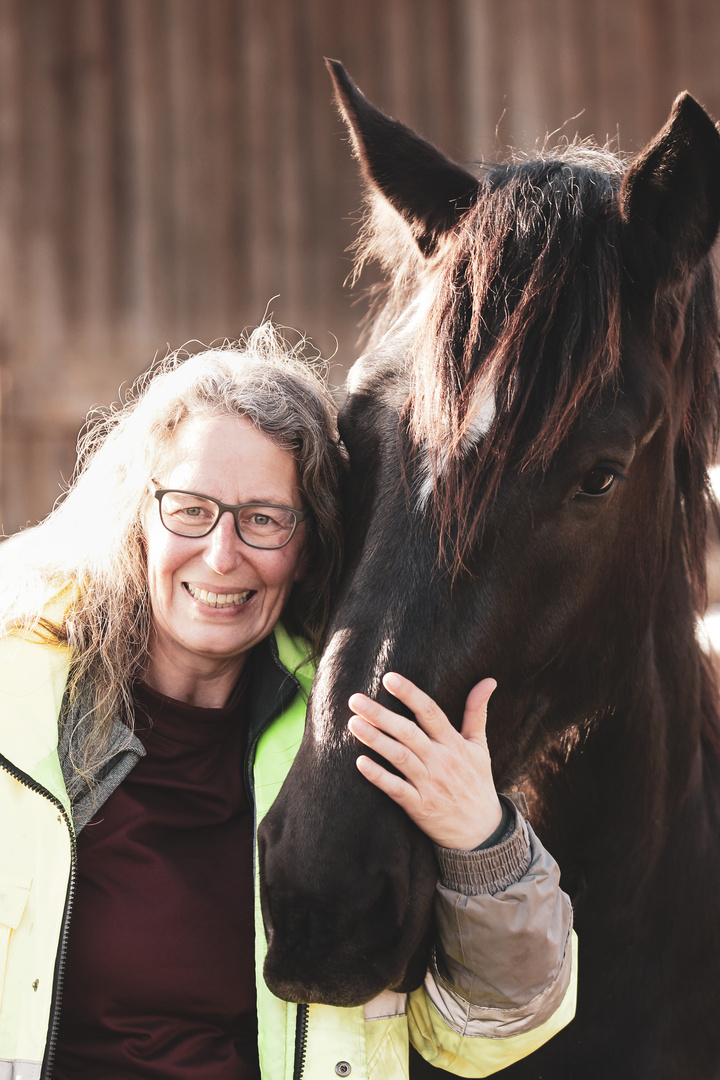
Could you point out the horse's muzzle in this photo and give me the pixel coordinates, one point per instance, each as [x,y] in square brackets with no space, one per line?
[344,919]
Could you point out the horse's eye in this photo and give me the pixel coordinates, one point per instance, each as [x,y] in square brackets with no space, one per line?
[597,482]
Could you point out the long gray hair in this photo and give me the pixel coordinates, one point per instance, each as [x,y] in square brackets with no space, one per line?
[91,547]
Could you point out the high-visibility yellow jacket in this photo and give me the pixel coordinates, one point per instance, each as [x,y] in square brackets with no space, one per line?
[37,867]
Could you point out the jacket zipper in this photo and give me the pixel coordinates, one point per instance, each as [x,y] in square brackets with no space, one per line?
[54,1019]
[301,1035]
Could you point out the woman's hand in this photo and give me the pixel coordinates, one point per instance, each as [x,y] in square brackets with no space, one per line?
[448,788]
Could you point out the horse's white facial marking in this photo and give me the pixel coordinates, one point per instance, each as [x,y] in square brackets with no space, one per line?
[482,413]
[426,486]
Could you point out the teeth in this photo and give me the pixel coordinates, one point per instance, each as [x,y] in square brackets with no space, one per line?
[217,600]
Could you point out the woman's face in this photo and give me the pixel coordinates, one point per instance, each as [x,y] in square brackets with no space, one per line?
[227,458]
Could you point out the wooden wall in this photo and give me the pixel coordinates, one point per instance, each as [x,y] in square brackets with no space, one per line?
[167,167]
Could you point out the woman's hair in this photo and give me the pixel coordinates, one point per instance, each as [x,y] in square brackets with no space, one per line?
[90,549]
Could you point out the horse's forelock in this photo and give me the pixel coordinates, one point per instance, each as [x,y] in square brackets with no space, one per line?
[528,306]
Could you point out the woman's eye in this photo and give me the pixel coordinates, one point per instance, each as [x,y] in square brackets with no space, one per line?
[597,482]
[261,519]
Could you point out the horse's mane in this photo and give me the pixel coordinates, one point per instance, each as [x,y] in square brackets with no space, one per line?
[527,296]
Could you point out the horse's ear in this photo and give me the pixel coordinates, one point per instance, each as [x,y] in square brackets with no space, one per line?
[670,198]
[427,189]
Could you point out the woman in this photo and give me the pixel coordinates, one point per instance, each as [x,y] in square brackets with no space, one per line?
[162,618]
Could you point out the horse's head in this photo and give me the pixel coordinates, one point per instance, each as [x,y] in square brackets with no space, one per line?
[529,432]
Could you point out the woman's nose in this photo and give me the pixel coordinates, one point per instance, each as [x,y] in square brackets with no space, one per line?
[224,551]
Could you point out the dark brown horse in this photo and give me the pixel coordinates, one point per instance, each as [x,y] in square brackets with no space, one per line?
[529,433]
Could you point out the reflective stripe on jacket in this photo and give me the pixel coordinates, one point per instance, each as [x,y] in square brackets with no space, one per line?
[36,883]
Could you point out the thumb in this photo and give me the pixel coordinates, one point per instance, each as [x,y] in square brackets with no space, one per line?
[475,715]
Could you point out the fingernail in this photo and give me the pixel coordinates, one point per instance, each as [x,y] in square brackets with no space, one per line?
[392,681]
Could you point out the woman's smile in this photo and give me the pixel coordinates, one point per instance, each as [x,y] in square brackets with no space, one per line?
[218,599]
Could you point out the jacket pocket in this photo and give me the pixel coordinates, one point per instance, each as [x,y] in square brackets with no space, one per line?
[14,892]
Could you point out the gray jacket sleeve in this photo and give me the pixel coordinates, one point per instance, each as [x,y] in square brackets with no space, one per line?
[502,963]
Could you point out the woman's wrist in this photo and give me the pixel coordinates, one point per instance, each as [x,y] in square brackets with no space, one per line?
[491,867]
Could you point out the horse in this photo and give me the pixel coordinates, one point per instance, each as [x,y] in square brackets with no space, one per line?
[529,432]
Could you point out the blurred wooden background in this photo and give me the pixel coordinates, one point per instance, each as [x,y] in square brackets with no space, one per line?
[169,166]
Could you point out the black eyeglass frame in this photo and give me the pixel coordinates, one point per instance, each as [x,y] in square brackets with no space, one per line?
[234,509]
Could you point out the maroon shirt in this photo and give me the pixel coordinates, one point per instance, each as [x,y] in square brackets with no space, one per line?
[160,976]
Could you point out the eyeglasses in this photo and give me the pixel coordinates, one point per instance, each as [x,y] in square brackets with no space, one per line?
[259,525]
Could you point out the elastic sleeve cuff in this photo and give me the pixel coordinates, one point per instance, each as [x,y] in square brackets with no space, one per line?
[488,870]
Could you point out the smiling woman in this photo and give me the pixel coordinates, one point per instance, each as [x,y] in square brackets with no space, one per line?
[157,642]
[212,597]
[142,656]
